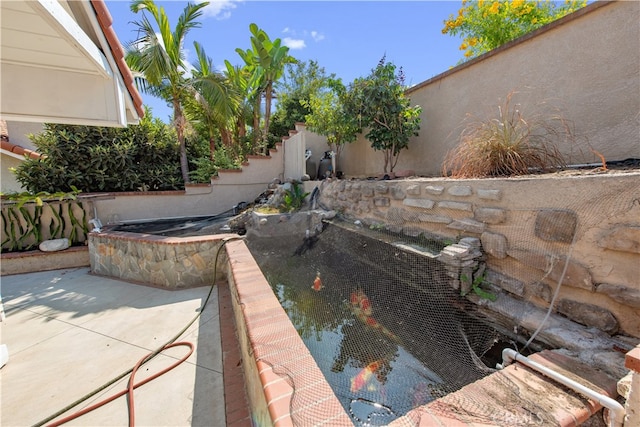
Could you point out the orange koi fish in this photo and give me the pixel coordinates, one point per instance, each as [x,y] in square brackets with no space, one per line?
[373,323]
[317,283]
[364,376]
[360,300]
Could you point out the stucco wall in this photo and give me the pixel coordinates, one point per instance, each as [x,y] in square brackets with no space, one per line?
[17,132]
[225,191]
[587,65]
[9,184]
[529,228]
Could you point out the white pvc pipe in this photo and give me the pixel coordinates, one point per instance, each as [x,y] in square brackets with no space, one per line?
[616,410]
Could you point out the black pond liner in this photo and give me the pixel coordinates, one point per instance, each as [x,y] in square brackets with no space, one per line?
[178,227]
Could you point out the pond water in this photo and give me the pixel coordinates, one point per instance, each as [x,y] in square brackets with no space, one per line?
[382,323]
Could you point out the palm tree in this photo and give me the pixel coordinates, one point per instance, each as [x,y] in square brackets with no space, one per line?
[217,101]
[265,60]
[160,62]
[238,78]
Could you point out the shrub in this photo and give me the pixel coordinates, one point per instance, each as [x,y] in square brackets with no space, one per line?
[509,144]
[293,198]
[205,168]
[95,159]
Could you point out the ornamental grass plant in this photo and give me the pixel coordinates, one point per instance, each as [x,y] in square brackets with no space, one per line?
[510,143]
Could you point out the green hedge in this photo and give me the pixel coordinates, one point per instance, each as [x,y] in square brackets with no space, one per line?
[97,159]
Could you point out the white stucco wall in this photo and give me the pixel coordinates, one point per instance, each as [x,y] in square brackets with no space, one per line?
[18,135]
[8,183]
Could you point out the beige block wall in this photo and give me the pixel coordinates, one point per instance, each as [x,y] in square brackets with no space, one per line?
[587,65]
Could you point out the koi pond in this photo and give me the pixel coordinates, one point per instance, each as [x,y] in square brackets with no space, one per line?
[387,331]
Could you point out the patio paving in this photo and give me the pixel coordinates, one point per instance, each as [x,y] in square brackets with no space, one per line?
[69,332]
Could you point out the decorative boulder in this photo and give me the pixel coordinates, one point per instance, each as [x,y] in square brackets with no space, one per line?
[54,245]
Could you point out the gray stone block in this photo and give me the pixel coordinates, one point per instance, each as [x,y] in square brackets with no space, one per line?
[507,283]
[622,294]
[413,190]
[460,190]
[367,191]
[434,218]
[540,290]
[468,225]
[490,215]
[395,215]
[459,206]
[494,244]
[552,266]
[489,194]
[434,189]
[556,225]
[382,189]
[381,202]
[419,203]
[397,193]
[622,238]
[589,315]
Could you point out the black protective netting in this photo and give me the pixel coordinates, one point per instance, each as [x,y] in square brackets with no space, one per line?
[393,328]
[382,322]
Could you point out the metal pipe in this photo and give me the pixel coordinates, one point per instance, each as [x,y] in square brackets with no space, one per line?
[616,410]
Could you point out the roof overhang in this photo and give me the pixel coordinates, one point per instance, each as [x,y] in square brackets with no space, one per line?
[58,65]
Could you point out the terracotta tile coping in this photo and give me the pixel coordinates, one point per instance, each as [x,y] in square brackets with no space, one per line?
[632,360]
[278,350]
[16,149]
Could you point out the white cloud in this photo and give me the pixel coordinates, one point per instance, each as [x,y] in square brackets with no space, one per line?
[294,44]
[317,36]
[286,30]
[219,9]
[188,66]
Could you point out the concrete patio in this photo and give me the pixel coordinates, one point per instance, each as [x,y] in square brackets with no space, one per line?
[69,332]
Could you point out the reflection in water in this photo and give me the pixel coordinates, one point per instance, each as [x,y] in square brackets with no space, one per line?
[384,344]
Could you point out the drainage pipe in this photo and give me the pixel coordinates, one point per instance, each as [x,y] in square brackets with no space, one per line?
[616,410]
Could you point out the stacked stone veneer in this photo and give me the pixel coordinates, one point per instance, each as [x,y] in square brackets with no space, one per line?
[167,262]
[533,232]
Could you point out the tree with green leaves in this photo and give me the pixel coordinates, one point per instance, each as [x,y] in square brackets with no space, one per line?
[265,61]
[158,59]
[380,106]
[485,25]
[299,82]
[329,118]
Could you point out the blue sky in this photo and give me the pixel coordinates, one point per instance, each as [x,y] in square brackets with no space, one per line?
[347,38]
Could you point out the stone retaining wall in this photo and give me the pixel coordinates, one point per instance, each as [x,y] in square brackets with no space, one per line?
[166,262]
[535,231]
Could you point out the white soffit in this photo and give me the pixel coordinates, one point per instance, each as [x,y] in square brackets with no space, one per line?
[51,70]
